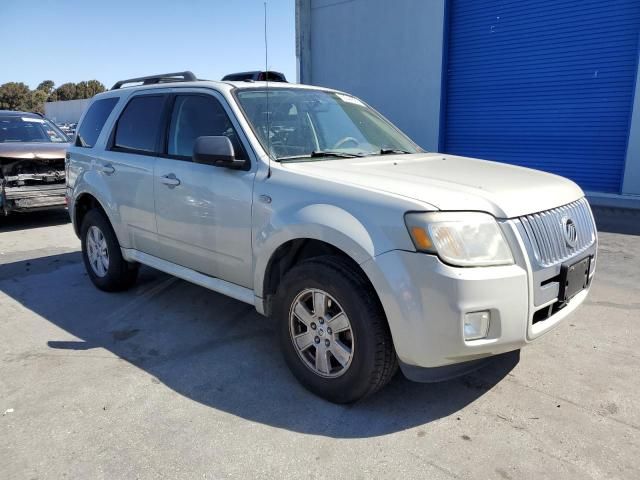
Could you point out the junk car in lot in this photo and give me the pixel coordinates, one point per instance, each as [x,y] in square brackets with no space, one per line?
[32,163]
[306,203]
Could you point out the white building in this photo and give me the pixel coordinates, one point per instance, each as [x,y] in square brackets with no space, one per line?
[68,111]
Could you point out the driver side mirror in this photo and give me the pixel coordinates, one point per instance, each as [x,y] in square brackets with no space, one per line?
[217,151]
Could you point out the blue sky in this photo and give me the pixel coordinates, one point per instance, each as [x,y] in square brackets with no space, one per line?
[74,40]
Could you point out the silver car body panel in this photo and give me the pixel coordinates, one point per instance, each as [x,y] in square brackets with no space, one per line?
[205,223]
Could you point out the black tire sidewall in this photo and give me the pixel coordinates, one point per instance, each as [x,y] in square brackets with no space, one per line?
[118,268]
[357,304]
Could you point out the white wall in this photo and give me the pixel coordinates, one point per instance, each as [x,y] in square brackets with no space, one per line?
[68,111]
[389,53]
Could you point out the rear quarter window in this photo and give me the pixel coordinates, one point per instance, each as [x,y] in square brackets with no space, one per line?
[94,121]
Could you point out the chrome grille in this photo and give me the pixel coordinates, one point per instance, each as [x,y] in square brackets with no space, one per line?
[546,232]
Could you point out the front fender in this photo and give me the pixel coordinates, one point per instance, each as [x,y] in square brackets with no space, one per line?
[327,223]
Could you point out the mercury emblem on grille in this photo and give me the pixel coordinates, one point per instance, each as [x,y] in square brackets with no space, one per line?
[570,231]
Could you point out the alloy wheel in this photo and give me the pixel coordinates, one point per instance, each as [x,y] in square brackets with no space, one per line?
[97,251]
[321,333]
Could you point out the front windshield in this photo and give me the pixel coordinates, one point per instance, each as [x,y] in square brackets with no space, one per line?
[315,123]
[19,129]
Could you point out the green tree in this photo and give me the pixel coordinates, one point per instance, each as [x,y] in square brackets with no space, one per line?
[94,87]
[14,96]
[18,96]
[35,101]
[81,90]
[66,91]
[46,86]
[89,89]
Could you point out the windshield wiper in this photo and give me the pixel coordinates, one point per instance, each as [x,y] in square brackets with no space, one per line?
[333,153]
[391,151]
[323,153]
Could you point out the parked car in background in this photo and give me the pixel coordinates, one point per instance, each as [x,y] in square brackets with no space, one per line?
[32,156]
[256,76]
[305,202]
[69,129]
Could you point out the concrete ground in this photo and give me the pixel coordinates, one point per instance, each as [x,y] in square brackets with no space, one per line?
[170,380]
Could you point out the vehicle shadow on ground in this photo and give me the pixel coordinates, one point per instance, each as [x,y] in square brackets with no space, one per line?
[218,351]
[24,221]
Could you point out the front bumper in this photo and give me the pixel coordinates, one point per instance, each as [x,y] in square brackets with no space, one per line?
[425,302]
[32,197]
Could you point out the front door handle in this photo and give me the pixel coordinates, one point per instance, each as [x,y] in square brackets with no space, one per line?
[170,180]
[107,169]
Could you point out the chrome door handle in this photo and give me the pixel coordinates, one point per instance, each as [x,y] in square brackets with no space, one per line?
[107,169]
[170,180]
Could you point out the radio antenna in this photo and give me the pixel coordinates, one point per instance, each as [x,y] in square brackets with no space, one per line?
[266,76]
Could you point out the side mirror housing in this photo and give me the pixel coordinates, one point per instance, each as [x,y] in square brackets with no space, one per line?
[217,151]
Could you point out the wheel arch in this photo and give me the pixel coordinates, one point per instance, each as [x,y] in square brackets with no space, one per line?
[81,206]
[295,234]
[292,252]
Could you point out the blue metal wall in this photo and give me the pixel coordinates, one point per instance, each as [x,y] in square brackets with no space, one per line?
[545,83]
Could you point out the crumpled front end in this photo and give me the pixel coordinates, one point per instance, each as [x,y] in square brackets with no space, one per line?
[31,184]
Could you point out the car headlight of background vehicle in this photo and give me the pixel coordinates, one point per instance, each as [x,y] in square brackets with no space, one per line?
[465,239]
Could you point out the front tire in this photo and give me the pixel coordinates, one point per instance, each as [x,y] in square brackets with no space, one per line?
[333,332]
[102,255]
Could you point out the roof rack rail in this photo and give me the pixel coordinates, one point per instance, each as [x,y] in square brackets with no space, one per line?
[161,78]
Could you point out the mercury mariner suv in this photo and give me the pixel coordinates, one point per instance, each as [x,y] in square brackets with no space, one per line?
[368,252]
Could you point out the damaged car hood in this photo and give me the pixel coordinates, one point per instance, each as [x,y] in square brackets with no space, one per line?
[32,150]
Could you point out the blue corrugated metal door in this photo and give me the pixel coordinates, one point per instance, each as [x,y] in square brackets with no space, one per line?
[545,84]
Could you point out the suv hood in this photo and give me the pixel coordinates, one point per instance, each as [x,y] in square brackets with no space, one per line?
[32,150]
[448,182]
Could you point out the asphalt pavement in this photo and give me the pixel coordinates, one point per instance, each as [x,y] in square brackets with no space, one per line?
[170,380]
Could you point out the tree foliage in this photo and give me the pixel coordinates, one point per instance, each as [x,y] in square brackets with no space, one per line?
[18,96]
[46,86]
[66,91]
[13,95]
[36,101]
[94,87]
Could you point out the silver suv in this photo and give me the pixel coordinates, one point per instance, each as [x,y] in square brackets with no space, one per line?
[367,251]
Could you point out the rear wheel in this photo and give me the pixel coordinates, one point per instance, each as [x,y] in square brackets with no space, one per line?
[333,332]
[102,256]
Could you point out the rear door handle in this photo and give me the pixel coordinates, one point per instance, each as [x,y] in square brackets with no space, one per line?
[170,180]
[107,169]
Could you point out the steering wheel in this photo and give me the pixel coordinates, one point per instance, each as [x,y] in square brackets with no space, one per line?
[345,140]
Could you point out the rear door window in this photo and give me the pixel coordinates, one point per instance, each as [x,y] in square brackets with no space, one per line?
[139,125]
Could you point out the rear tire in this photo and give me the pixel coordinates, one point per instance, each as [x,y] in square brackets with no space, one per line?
[345,365]
[102,255]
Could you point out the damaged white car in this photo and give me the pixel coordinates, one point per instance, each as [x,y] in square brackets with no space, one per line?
[32,152]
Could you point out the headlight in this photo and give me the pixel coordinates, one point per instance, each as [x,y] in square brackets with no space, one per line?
[465,239]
